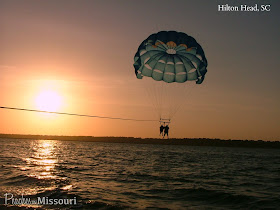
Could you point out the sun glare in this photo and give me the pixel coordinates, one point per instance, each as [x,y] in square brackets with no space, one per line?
[48,100]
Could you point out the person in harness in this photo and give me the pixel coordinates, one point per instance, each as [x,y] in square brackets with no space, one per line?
[161,128]
[166,130]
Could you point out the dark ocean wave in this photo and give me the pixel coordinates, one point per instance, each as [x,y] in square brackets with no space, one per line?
[215,196]
[21,180]
[71,168]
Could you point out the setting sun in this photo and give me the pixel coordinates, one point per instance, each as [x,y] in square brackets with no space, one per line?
[48,101]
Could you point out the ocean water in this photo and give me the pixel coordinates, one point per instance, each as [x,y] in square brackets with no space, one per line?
[131,176]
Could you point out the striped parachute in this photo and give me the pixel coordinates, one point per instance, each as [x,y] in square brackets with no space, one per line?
[170,59]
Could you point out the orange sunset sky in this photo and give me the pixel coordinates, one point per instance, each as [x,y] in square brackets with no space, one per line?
[77,57]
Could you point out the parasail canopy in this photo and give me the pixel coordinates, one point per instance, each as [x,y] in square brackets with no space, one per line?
[170,56]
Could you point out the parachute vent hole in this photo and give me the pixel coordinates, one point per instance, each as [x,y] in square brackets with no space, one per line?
[171,51]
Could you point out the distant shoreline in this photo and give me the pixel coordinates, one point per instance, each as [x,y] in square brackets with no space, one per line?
[132,140]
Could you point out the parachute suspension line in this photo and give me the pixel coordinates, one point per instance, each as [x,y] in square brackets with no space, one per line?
[187,89]
[167,100]
[161,97]
[164,121]
[151,93]
[171,105]
[156,95]
[71,114]
[173,108]
[171,92]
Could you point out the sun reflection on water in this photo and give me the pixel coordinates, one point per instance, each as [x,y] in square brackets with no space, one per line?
[43,160]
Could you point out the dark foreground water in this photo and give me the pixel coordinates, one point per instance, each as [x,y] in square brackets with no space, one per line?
[120,176]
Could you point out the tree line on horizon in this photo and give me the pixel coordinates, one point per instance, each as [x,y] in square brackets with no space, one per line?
[174,141]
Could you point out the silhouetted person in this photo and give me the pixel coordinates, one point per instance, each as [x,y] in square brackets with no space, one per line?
[166,128]
[161,128]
